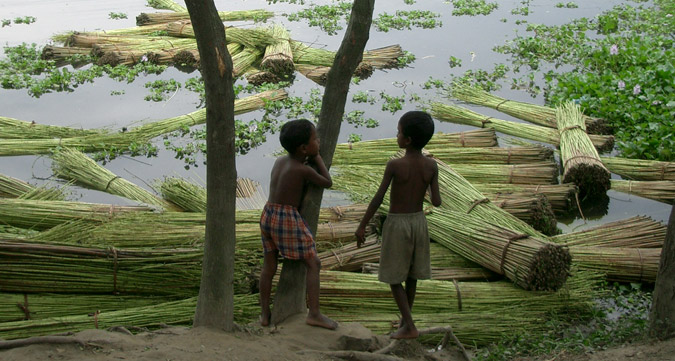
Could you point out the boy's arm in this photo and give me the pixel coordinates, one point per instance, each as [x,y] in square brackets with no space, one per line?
[319,176]
[374,204]
[435,193]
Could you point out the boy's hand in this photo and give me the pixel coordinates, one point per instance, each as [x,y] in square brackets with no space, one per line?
[360,236]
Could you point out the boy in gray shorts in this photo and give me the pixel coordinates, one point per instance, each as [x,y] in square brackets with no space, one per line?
[405,240]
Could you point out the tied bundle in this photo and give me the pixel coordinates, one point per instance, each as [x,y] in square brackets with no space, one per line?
[580,159]
[533,113]
[634,232]
[560,196]
[662,191]
[640,169]
[74,165]
[145,19]
[459,115]
[278,58]
[530,262]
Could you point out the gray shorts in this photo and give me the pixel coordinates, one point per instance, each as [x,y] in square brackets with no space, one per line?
[405,248]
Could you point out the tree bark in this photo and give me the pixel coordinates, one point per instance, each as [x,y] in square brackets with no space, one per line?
[662,314]
[291,300]
[215,304]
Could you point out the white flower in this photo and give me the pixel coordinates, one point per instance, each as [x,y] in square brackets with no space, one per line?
[614,50]
[636,89]
[621,85]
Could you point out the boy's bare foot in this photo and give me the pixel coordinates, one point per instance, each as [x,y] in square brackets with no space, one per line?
[321,321]
[405,333]
[265,318]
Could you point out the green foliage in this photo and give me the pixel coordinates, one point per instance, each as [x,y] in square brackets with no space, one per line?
[619,316]
[392,104]
[117,16]
[455,62]
[363,97]
[25,20]
[25,69]
[568,5]
[403,19]
[405,60]
[160,89]
[353,138]
[134,149]
[6,22]
[473,7]
[325,17]
[623,74]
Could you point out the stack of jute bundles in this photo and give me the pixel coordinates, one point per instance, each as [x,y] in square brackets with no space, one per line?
[580,159]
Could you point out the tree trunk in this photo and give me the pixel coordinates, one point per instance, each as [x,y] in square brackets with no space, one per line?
[215,305]
[291,300]
[662,314]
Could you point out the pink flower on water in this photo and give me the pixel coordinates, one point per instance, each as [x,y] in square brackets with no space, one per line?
[621,85]
[614,50]
[636,89]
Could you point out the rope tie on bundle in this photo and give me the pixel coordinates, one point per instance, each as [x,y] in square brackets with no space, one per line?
[505,100]
[24,307]
[185,23]
[461,139]
[663,171]
[571,127]
[477,202]
[642,264]
[110,181]
[339,260]
[115,266]
[508,159]
[506,247]
[459,294]
[485,121]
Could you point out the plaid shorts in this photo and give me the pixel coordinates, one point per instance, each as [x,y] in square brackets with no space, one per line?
[283,228]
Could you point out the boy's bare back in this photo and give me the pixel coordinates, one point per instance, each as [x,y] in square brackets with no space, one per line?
[411,177]
[287,182]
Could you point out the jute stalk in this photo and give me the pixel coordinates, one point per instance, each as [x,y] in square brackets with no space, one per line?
[619,264]
[11,128]
[278,57]
[560,196]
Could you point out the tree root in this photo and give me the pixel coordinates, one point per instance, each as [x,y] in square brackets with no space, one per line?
[355,355]
[52,340]
[444,343]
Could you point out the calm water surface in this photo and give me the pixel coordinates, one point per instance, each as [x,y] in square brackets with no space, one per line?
[92,105]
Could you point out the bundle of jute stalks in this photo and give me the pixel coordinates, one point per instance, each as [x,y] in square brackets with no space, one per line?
[532,263]
[619,264]
[145,19]
[44,214]
[534,209]
[37,268]
[11,128]
[493,305]
[580,159]
[662,191]
[139,135]
[444,273]
[180,312]
[74,165]
[562,197]
[640,169]
[533,113]
[634,232]
[460,115]
[278,57]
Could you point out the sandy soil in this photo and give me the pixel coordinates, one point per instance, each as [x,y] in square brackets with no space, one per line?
[293,340]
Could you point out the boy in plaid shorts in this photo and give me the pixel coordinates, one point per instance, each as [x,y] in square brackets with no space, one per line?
[405,240]
[283,229]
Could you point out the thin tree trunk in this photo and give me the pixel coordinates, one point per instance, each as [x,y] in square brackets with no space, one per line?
[290,297]
[662,314]
[215,305]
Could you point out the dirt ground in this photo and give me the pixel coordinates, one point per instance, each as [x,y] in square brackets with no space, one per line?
[293,340]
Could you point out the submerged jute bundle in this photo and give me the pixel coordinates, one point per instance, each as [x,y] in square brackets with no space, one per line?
[533,113]
[634,232]
[580,159]
[534,209]
[11,128]
[662,191]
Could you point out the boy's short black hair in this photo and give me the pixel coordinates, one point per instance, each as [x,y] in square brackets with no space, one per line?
[417,125]
[295,133]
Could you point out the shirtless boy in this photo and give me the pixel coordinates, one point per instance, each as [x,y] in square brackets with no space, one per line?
[405,240]
[284,231]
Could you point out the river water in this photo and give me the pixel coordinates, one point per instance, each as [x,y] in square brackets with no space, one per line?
[92,106]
